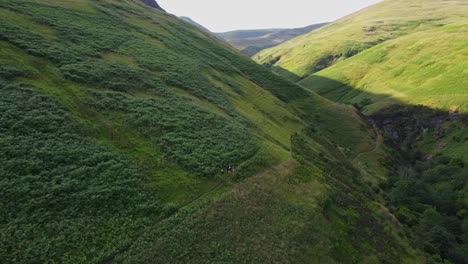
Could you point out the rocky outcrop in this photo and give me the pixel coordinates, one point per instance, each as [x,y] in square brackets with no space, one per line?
[153,4]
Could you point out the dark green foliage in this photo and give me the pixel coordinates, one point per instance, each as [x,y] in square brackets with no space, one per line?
[112,75]
[197,139]
[324,61]
[350,51]
[406,216]
[364,102]
[10,72]
[66,198]
[431,201]
[58,186]
[200,141]
[428,191]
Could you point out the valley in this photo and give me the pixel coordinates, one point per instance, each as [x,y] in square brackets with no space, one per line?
[253,41]
[405,69]
[118,121]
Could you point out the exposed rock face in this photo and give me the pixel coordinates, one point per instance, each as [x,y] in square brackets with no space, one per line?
[153,4]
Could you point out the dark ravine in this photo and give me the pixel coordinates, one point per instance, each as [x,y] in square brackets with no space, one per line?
[404,126]
[425,189]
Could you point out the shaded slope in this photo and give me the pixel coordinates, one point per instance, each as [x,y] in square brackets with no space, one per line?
[357,32]
[117,120]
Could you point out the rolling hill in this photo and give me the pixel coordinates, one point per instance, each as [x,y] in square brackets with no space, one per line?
[118,122]
[251,42]
[427,68]
[362,30]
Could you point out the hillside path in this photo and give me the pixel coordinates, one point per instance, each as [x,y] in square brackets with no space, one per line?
[378,143]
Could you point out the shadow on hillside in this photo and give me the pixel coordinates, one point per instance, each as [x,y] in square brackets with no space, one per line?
[283,73]
[343,93]
[403,125]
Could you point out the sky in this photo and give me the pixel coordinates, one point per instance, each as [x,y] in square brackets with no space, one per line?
[226,15]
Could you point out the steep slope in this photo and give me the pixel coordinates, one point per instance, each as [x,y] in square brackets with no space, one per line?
[413,87]
[116,121]
[351,35]
[251,42]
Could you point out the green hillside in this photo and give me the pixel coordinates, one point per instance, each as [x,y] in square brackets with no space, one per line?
[117,120]
[428,68]
[355,33]
[395,52]
[403,64]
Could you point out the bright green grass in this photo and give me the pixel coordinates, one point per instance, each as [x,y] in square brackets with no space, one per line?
[350,35]
[427,68]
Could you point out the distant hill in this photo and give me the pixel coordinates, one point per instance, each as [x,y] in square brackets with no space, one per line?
[191,21]
[153,4]
[252,41]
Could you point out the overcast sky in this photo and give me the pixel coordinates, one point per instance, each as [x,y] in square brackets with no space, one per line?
[226,15]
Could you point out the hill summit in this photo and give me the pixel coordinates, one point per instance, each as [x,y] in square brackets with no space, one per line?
[153,4]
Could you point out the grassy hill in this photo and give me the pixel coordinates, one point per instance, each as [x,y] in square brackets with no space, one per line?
[362,30]
[251,42]
[427,68]
[117,120]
